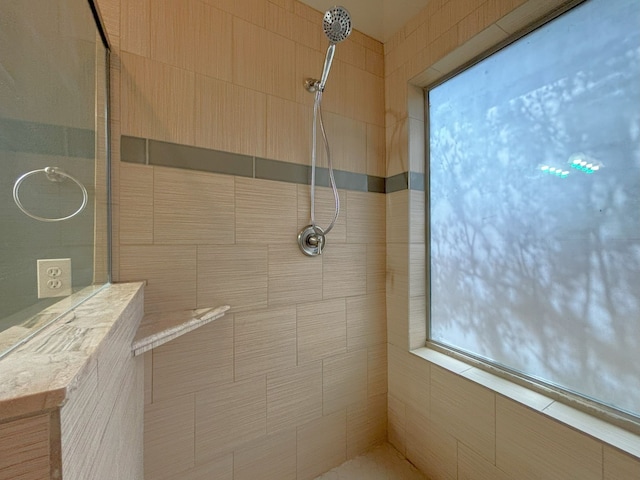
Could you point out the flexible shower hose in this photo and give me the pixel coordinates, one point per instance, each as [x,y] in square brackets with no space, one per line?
[317,118]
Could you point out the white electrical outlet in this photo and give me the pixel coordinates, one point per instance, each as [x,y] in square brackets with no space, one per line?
[54,277]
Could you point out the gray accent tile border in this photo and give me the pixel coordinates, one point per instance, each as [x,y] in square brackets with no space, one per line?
[133,150]
[195,158]
[396,183]
[46,139]
[375,184]
[282,171]
[416,181]
[165,154]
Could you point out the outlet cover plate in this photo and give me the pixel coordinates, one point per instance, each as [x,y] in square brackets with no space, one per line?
[54,277]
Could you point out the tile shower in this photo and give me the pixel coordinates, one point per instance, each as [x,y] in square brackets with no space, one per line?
[294,381]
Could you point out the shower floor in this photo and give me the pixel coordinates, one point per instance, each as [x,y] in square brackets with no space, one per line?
[381,463]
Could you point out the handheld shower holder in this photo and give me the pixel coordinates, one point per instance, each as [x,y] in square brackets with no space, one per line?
[311,85]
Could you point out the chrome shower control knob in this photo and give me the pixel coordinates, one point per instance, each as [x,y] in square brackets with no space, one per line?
[311,240]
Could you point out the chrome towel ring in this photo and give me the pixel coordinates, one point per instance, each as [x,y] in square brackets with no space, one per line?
[54,174]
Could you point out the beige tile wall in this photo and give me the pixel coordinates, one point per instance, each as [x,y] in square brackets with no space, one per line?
[293,380]
[447,425]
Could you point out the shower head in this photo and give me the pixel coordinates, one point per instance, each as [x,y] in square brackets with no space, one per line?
[337,27]
[337,24]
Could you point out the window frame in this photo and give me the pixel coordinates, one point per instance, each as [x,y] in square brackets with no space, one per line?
[580,402]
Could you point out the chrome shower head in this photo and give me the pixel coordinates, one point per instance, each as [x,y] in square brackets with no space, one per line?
[337,24]
[337,27]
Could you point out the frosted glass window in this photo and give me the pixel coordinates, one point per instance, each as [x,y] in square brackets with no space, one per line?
[534,205]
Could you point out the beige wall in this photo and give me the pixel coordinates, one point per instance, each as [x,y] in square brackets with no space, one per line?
[451,420]
[293,381]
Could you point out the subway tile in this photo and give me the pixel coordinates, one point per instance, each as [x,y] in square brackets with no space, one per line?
[24,448]
[431,449]
[344,381]
[281,19]
[220,468]
[136,204]
[289,131]
[253,11]
[398,270]
[348,143]
[212,47]
[272,457]
[366,321]
[417,269]
[374,62]
[352,53]
[135,36]
[321,330]
[368,42]
[344,271]
[396,423]
[172,35]
[321,445]
[156,100]
[397,148]
[398,217]
[366,218]
[398,320]
[366,425]
[417,143]
[170,273]
[267,64]
[619,466]
[294,396]
[472,466]
[376,150]
[293,277]
[193,207]
[324,211]
[409,378]
[194,361]
[464,409]
[531,446]
[228,416]
[169,437]
[376,269]
[309,64]
[417,322]
[395,94]
[234,275]
[266,212]
[148,377]
[221,119]
[264,341]
[377,370]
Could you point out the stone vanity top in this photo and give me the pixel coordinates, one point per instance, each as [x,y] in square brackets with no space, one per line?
[158,328]
[40,374]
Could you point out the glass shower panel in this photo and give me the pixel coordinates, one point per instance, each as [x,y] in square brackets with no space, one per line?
[53,159]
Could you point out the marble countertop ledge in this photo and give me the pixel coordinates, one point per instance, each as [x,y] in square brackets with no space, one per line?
[158,328]
[41,374]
